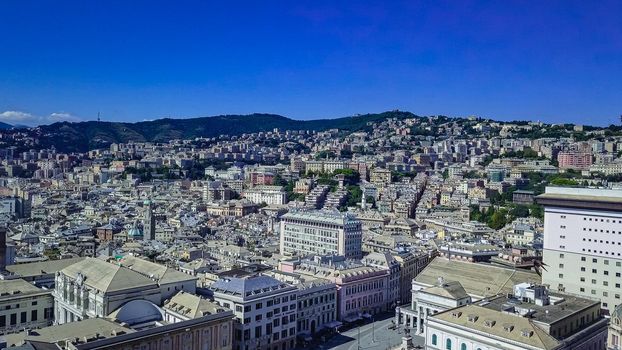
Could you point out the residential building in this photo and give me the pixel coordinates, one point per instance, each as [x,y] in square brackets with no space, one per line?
[306,232]
[574,160]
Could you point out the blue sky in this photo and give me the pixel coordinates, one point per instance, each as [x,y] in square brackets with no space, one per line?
[139,60]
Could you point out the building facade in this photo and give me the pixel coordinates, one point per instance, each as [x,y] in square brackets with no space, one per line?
[24,306]
[583,242]
[265,311]
[321,232]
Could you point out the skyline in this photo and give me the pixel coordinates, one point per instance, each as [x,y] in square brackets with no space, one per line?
[553,62]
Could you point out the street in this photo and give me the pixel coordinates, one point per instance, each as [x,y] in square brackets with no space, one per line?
[371,336]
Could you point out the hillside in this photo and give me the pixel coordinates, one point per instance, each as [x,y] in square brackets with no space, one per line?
[83,136]
[4,126]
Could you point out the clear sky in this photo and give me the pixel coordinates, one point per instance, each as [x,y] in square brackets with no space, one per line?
[139,60]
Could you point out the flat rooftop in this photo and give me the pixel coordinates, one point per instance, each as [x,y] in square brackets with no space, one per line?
[479,280]
[582,198]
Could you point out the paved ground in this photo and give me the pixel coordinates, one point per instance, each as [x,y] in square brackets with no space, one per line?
[371,336]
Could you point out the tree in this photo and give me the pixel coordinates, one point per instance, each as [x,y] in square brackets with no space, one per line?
[498,219]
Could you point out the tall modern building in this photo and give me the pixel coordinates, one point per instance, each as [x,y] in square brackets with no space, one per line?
[583,242]
[321,232]
[149,226]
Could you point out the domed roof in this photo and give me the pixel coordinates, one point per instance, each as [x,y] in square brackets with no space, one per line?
[134,232]
[138,311]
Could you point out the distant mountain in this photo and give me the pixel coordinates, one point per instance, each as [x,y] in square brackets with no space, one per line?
[83,136]
[4,126]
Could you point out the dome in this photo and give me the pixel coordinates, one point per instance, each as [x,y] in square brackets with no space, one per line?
[134,232]
[137,311]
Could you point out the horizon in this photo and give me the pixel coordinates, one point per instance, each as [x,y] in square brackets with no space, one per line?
[313,119]
[551,62]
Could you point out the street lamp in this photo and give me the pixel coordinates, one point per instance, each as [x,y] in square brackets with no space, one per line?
[358,339]
[373,330]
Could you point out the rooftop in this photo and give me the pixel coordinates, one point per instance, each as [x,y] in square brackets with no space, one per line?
[18,287]
[191,306]
[107,277]
[322,216]
[92,328]
[41,268]
[478,280]
[247,286]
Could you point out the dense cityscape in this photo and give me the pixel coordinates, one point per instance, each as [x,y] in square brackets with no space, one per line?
[400,235]
[310,175]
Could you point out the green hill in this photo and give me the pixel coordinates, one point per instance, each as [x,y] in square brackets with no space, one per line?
[84,136]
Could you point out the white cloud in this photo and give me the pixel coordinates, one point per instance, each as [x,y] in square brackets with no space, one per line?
[17,117]
[57,117]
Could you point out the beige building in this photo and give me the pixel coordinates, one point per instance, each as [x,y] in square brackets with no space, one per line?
[380,177]
[23,305]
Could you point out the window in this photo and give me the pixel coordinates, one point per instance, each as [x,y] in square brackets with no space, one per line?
[434,339]
[22,317]
[448,344]
[463,346]
[33,315]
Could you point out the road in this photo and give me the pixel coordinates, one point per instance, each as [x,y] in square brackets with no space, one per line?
[373,336]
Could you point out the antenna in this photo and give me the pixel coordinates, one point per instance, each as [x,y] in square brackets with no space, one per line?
[98,117]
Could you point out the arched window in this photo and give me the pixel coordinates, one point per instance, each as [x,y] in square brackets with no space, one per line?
[434,339]
[448,344]
[463,346]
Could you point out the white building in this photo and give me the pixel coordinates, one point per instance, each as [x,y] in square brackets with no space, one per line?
[321,232]
[583,242]
[528,319]
[266,194]
[429,301]
[264,308]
